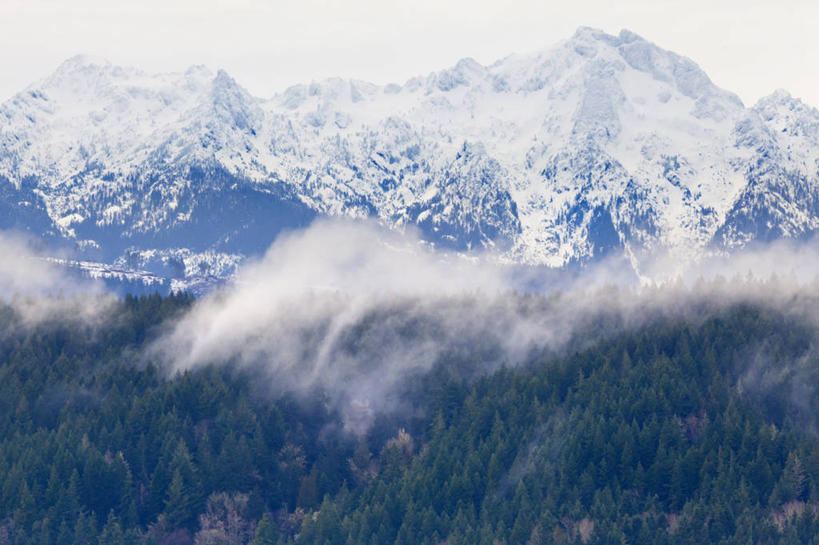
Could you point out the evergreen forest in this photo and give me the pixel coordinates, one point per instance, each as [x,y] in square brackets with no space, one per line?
[690,427]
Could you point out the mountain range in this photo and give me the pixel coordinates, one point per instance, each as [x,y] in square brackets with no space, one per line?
[601,144]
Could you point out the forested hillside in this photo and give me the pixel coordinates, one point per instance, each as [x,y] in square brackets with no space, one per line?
[691,427]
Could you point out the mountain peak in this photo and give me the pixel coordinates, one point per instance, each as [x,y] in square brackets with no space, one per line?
[223,81]
[778,97]
[627,36]
[788,114]
[587,34]
[199,70]
[469,64]
[222,75]
[81,61]
[87,71]
[782,101]
[466,72]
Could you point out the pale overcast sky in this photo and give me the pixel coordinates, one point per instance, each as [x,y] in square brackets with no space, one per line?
[750,47]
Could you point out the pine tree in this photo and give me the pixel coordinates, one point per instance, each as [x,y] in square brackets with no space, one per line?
[179,505]
[112,533]
[266,532]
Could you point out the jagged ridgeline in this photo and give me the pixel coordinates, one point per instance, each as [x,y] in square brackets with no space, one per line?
[602,144]
[691,421]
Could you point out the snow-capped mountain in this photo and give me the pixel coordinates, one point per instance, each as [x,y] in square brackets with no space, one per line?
[601,143]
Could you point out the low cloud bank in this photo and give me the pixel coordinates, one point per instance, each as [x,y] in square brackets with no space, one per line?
[38,290]
[788,261]
[353,310]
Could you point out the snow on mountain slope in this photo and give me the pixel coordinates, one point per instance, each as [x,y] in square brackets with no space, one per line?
[602,143]
[781,196]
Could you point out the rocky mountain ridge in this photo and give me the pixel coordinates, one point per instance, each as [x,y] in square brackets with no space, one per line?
[600,144]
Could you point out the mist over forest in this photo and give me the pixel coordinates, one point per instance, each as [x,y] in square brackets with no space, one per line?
[354,385]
